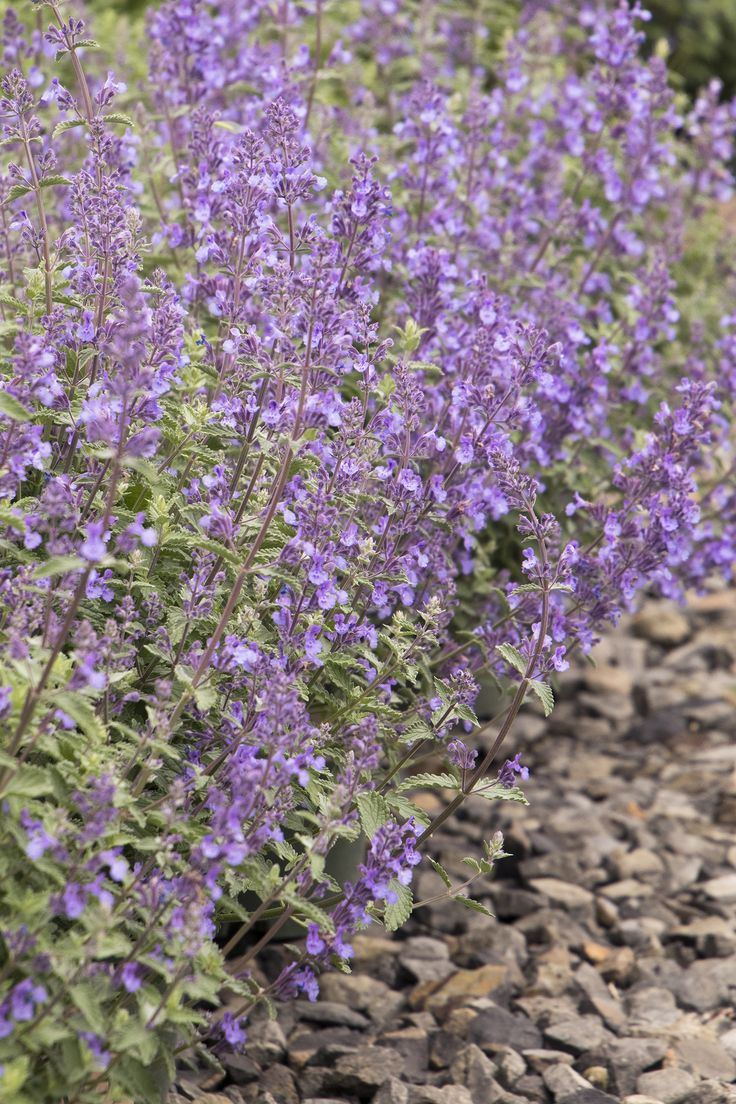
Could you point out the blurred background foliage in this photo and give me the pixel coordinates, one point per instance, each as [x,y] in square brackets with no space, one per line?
[698,36]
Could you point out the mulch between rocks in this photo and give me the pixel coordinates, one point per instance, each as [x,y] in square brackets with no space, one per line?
[609,971]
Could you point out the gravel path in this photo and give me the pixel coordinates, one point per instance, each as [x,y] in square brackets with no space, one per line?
[609,971]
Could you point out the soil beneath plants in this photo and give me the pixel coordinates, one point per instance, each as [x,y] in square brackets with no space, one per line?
[608,972]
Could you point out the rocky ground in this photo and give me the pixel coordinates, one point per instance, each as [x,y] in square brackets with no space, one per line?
[609,971]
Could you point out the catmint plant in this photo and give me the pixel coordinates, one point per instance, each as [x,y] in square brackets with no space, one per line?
[351,362]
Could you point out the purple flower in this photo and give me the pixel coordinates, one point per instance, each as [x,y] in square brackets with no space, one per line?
[130,977]
[508,772]
[93,547]
[232,1029]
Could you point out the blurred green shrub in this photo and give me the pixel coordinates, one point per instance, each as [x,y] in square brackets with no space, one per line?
[701,36]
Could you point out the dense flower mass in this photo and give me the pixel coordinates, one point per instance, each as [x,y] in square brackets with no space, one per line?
[352,363]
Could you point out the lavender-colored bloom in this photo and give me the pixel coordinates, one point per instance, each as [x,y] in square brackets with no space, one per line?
[510,769]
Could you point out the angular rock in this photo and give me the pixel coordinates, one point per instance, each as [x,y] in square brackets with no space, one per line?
[540,1059]
[412,1043]
[496,1027]
[472,1069]
[578,1035]
[651,1009]
[366,994]
[707,1058]
[365,1071]
[671,1086]
[628,1057]
[392,1091]
[563,1082]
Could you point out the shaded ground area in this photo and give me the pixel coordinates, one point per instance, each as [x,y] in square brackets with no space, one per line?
[609,972]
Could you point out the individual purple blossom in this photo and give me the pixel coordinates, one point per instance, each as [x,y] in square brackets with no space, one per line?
[508,772]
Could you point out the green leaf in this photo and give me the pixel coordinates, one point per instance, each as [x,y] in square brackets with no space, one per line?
[431,781]
[28,782]
[545,695]
[82,712]
[88,1005]
[54,181]
[496,791]
[469,903]
[17,191]
[311,912]
[513,656]
[67,124]
[11,408]
[399,912]
[58,565]
[441,871]
[118,117]
[374,812]
[406,808]
[142,1080]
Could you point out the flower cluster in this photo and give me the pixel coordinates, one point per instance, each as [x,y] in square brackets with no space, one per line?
[347,370]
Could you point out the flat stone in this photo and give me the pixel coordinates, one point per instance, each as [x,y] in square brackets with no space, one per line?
[496,1027]
[592,1096]
[448,1094]
[651,1009]
[266,1042]
[632,864]
[240,1068]
[539,1059]
[661,624]
[322,1047]
[628,887]
[668,1085]
[460,987]
[708,983]
[707,1058]
[721,889]
[579,1034]
[563,893]
[607,679]
[366,994]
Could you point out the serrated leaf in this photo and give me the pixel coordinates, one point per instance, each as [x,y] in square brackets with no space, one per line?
[54,181]
[400,910]
[406,808]
[311,912]
[66,124]
[58,565]
[374,812]
[17,191]
[496,791]
[29,781]
[118,117]
[11,408]
[430,781]
[82,712]
[545,695]
[438,869]
[513,656]
[469,903]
